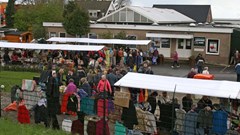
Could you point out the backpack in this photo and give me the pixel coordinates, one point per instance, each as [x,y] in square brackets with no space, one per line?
[155,53]
[200,62]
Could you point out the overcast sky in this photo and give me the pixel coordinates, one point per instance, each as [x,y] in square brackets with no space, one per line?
[220,8]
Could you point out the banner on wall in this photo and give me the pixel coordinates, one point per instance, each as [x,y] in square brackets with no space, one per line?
[199,41]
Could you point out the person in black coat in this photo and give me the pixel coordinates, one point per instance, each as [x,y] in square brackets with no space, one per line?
[53,105]
[187,102]
[6,58]
[204,102]
[152,101]
[86,87]
[112,78]
[69,76]
[130,61]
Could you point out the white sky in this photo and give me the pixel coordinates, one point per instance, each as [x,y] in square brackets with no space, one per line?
[228,9]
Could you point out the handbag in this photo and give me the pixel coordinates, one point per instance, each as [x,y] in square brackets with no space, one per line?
[135,68]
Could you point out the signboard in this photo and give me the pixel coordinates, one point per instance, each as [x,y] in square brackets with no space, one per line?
[199,41]
[122,98]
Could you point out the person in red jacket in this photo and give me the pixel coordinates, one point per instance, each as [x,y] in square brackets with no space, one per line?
[175,59]
[104,85]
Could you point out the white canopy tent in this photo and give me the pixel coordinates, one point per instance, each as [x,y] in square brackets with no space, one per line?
[214,88]
[99,41]
[66,47]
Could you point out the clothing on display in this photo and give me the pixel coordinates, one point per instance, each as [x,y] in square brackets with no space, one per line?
[88,105]
[28,85]
[100,128]
[73,105]
[67,125]
[129,116]
[220,122]
[119,129]
[166,118]
[180,117]
[100,107]
[77,127]
[41,114]
[23,115]
[190,123]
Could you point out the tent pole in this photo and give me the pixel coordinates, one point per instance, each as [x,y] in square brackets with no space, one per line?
[173,108]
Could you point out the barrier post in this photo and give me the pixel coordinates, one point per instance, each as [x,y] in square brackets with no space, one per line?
[1,88]
[104,112]
[173,108]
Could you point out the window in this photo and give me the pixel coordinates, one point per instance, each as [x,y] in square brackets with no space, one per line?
[131,37]
[165,43]
[136,17]
[52,34]
[92,35]
[180,43]
[188,44]
[62,34]
[93,13]
[213,46]
[90,14]
[116,17]
[122,16]
[130,16]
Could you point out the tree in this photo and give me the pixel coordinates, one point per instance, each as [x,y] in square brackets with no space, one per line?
[76,21]
[31,17]
[10,10]
[106,35]
[121,35]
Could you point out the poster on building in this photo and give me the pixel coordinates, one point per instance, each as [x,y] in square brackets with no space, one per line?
[199,41]
[213,46]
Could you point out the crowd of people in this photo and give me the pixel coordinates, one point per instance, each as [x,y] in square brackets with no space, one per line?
[96,72]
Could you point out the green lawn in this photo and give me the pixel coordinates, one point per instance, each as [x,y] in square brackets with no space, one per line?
[10,78]
[8,127]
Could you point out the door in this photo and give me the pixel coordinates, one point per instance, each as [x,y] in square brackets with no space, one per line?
[184,48]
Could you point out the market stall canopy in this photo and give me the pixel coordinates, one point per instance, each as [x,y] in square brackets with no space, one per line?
[66,47]
[214,88]
[99,41]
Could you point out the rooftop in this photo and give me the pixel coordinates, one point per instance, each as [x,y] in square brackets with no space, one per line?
[199,13]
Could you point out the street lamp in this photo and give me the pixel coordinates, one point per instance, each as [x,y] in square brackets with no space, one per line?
[1,88]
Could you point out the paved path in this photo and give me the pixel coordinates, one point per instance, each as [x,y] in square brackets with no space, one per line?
[220,72]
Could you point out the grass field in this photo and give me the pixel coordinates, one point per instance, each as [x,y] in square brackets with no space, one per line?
[8,127]
[10,78]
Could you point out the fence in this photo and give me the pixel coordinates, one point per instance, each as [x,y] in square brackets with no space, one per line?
[100,115]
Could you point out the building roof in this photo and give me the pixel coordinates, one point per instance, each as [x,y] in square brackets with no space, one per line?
[134,14]
[102,6]
[17,33]
[199,13]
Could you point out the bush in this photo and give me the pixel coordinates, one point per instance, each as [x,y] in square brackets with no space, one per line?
[21,68]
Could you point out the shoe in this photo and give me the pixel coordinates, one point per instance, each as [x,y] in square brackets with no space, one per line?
[172,66]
